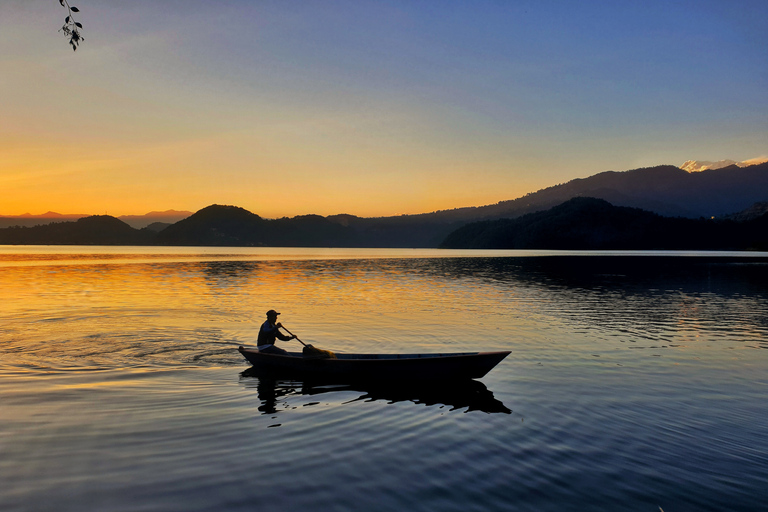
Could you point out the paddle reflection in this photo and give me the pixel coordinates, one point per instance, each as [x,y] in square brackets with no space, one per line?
[471,394]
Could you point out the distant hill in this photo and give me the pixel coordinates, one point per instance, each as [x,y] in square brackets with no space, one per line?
[166,217]
[589,223]
[46,216]
[95,230]
[28,219]
[214,225]
[218,225]
[156,227]
[136,221]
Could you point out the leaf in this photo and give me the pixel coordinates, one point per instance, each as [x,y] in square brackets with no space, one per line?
[79,24]
[66,20]
[61,2]
[74,9]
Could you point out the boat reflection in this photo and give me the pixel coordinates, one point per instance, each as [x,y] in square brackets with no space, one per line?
[471,394]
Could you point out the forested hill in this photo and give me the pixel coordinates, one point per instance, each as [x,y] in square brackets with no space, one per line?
[589,223]
[218,225]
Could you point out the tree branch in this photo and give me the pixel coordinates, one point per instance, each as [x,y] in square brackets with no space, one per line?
[71,27]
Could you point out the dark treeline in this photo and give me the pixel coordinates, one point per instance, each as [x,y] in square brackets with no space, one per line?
[222,226]
[580,223]
[232,226]
[589,223]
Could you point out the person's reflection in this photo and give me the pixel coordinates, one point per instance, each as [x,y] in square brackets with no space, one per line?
[267,395]
[270,393]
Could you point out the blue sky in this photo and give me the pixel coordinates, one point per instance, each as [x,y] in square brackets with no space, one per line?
[365,107]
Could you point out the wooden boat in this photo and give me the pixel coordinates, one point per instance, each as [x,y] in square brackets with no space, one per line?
[465,365]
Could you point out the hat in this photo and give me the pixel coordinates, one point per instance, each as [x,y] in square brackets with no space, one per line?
[272,312]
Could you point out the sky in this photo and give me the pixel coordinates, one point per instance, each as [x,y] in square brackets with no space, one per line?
[371,108]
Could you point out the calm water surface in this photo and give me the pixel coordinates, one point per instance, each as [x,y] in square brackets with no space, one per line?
[636,381]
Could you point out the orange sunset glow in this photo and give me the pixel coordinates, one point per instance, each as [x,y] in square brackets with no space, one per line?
[371,109]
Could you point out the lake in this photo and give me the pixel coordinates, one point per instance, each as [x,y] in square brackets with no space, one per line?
[637,381]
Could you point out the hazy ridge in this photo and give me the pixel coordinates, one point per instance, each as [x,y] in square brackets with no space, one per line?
[167,217]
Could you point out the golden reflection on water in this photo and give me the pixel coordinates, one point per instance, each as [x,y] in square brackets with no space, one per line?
[111,314]
[161,306]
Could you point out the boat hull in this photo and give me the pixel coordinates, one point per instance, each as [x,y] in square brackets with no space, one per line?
[469,365]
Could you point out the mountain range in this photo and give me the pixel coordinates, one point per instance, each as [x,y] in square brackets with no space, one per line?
[665,191]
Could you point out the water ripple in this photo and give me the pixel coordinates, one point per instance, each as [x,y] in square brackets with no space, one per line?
[633,384]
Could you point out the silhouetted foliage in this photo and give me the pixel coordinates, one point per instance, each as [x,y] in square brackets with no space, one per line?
[71,27]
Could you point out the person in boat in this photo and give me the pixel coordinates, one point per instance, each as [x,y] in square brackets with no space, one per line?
[269,333]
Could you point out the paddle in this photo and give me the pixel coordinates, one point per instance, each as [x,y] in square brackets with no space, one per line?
[289,332]
[311,352]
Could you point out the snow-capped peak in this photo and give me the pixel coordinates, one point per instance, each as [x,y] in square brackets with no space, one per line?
[703,165]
